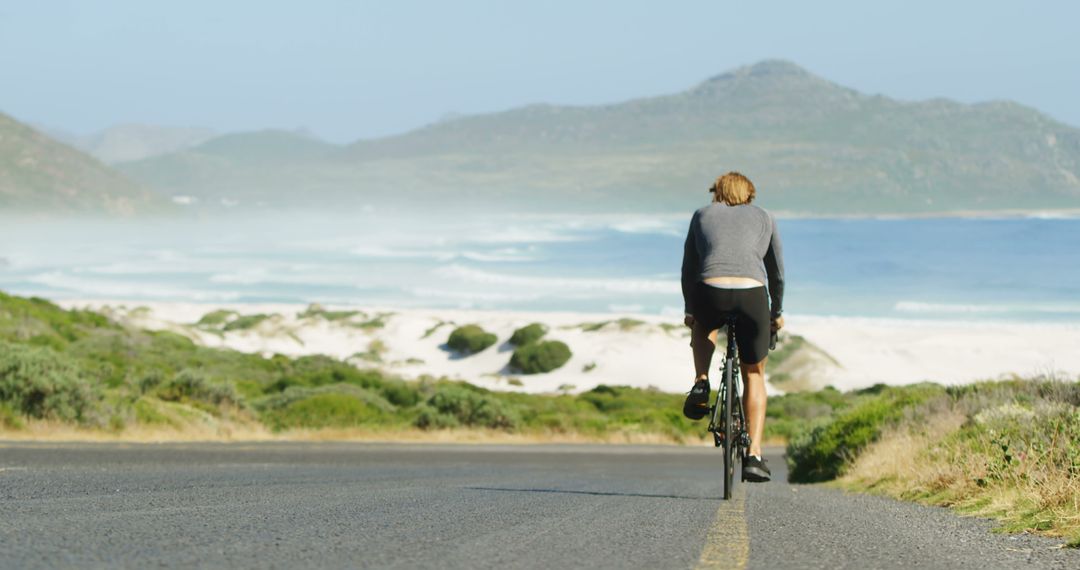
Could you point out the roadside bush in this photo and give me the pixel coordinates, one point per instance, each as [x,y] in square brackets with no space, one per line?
[822,453]
[790,415]
[528,334]
[319,370]
[628,410]
[194,386]
[399,393]
[543,356]
[324,410]
[337,405]
[41,383]
[1007,450]
[470,339]
[9,417]
[454,405]
[22,318]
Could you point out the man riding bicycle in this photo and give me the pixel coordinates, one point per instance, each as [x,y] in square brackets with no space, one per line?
[731,249]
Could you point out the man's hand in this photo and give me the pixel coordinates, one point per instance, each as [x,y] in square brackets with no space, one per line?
[688,320]
[777,323]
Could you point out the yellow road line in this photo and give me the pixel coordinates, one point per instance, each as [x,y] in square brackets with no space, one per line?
[727,544]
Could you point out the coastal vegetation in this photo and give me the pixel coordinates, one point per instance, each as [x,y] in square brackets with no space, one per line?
[83,370]
[540,356]
[470,339]
[528,334]
[316,311]
[623,324]
[1007,449]
[533,355]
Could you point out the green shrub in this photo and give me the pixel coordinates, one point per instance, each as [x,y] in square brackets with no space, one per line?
[821,453]
[146,412]
[455,405]
[150,381]
[22,319]
[608,409]
[790,415]
[624,324]
[41,383]
[325,410]
[607,398]
[338,405]
[470,339]
[245,322]
[400,393]
[315,310]
[9,417]
[319,370]
[50,341]
[194,386]
[216,319]
[528,334]
[543,356]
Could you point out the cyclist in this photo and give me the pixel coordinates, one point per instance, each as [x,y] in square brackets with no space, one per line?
[731,249]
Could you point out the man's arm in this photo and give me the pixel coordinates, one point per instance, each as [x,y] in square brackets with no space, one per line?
[691,267]
[774,269]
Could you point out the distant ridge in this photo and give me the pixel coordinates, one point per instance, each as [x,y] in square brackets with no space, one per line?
[810,145]
[128,142]
[41,175]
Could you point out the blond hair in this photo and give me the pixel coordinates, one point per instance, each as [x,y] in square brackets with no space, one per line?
[733,189]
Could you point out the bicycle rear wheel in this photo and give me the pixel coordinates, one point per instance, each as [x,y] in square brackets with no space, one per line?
[730,438]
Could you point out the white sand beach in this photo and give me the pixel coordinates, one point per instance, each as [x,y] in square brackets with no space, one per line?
[639,350]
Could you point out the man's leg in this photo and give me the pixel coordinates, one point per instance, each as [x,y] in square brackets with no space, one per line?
[703,342]
[754,402]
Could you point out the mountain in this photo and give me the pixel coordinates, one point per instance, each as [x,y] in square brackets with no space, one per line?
[810,146]
[135,142]
[39,174]
[269,165]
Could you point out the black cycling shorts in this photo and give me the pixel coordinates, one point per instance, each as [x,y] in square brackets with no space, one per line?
[753,327]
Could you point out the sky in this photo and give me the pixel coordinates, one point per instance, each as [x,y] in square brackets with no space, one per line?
[347,70]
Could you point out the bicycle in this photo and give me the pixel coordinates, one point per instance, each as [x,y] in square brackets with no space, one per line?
[727,413]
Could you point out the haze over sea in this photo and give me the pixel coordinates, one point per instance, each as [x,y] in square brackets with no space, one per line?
[1018,269]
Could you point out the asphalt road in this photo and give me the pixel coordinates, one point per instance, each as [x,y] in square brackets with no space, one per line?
[333,505]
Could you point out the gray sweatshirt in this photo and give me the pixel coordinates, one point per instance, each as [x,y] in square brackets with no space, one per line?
[733,241]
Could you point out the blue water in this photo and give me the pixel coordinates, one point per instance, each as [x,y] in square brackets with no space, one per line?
[984,269]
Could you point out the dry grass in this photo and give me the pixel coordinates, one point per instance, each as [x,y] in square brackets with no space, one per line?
[894,465]
[46,431]
[938,466]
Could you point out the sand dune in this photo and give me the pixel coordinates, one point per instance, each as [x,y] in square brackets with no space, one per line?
[635,350]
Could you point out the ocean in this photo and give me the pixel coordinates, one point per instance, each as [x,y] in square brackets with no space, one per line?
[1018,269]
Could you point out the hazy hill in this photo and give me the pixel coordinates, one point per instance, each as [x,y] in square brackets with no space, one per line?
[39,174]
[134,142]
[810,145]
[272,165]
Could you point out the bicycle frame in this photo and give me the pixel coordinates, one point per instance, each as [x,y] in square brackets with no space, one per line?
[727,412]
